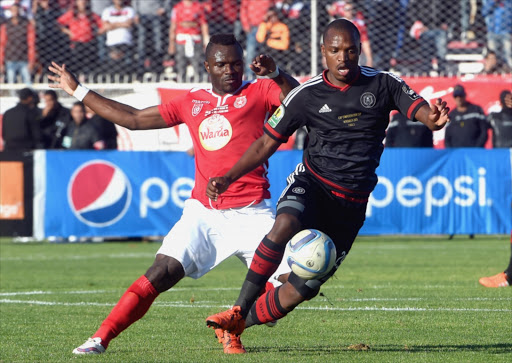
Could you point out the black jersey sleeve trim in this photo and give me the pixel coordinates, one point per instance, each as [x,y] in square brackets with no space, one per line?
[411,112]
[274,134]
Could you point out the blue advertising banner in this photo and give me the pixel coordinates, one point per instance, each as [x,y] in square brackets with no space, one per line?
[450,191]
[420,191]
[111,193]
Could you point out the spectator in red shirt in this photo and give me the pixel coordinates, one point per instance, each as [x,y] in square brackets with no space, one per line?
[81,25]
[188,35]
[252,14]
[17,47]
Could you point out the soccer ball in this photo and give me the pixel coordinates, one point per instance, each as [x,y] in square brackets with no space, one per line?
[311,254]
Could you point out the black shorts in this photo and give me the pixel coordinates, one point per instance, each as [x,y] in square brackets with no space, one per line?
[316,206]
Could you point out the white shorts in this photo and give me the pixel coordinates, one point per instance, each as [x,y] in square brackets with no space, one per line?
[204,237]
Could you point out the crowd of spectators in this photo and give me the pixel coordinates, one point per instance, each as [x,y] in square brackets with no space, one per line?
[27,126]
[468,126]
[137,36]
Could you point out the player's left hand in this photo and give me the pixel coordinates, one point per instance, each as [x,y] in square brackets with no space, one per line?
[63,78]
[262,65]
[439,113]
[217,186]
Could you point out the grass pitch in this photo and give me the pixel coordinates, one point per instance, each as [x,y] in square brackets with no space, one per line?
[395,299]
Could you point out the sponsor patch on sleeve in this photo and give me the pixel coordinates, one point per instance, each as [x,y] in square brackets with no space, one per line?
[276,117]
[410,92]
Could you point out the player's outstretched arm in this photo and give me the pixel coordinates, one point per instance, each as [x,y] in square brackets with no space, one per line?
[118,113]
[264,65]
[258,153]
[435,116]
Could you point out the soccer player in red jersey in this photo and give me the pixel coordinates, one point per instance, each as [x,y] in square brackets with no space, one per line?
[346,111]
[223,122]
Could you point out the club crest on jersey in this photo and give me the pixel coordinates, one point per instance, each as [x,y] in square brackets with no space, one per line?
[277,116]
[410,92]
[196,109]
[240,102]
[368,100]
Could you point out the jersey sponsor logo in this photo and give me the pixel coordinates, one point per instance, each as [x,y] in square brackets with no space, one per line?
[368,100]
[196,108]
[298,190]
[215,132]
[276,117]
[410,92]
[99,193]
[240,102]
[220,109]
[324,109]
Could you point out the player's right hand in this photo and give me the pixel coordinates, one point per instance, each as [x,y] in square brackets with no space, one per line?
[63,79]
[217,186]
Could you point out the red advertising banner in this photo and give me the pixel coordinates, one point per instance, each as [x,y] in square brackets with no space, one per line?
[482,90]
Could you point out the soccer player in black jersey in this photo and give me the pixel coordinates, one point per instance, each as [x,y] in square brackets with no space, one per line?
[346,111]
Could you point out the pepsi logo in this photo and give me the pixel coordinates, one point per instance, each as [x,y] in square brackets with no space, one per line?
[99,193]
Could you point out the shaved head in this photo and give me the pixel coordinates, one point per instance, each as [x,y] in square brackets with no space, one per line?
[341,48]
[341,25]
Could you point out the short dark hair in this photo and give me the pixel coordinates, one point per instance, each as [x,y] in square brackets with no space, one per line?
[221,39]
[79,104]
[25,93]
[341,24]
[51,93]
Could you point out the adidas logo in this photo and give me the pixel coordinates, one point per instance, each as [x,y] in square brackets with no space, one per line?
[324,109]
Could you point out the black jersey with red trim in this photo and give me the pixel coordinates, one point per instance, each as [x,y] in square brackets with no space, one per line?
[346,126]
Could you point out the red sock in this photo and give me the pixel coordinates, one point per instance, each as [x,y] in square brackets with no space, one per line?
[132,306]
[268,308]
[265,262]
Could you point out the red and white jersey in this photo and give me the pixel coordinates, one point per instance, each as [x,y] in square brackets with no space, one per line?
[195,13]
[119,35]
[222,129]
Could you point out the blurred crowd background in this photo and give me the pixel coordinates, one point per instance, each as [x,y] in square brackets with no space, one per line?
[116,43]
[165,39]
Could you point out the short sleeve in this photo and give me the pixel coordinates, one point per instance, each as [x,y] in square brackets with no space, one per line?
[64,18]
[272,92]
[405,99]
[171,111]
[105,15]
[287,118]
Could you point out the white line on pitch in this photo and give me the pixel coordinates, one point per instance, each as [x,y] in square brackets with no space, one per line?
[78,257]
[200,305]
[38,292]
[193,289]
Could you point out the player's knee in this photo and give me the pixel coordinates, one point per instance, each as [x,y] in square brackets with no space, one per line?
[307,289]
[285,227]
[165,273]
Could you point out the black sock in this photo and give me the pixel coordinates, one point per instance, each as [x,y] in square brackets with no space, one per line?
[266,259]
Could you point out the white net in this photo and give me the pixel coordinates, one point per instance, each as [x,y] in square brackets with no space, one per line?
[119,41]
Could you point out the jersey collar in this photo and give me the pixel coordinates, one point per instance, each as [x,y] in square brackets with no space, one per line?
[244,83]
[345,88]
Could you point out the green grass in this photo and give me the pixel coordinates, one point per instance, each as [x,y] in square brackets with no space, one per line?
[410,299]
